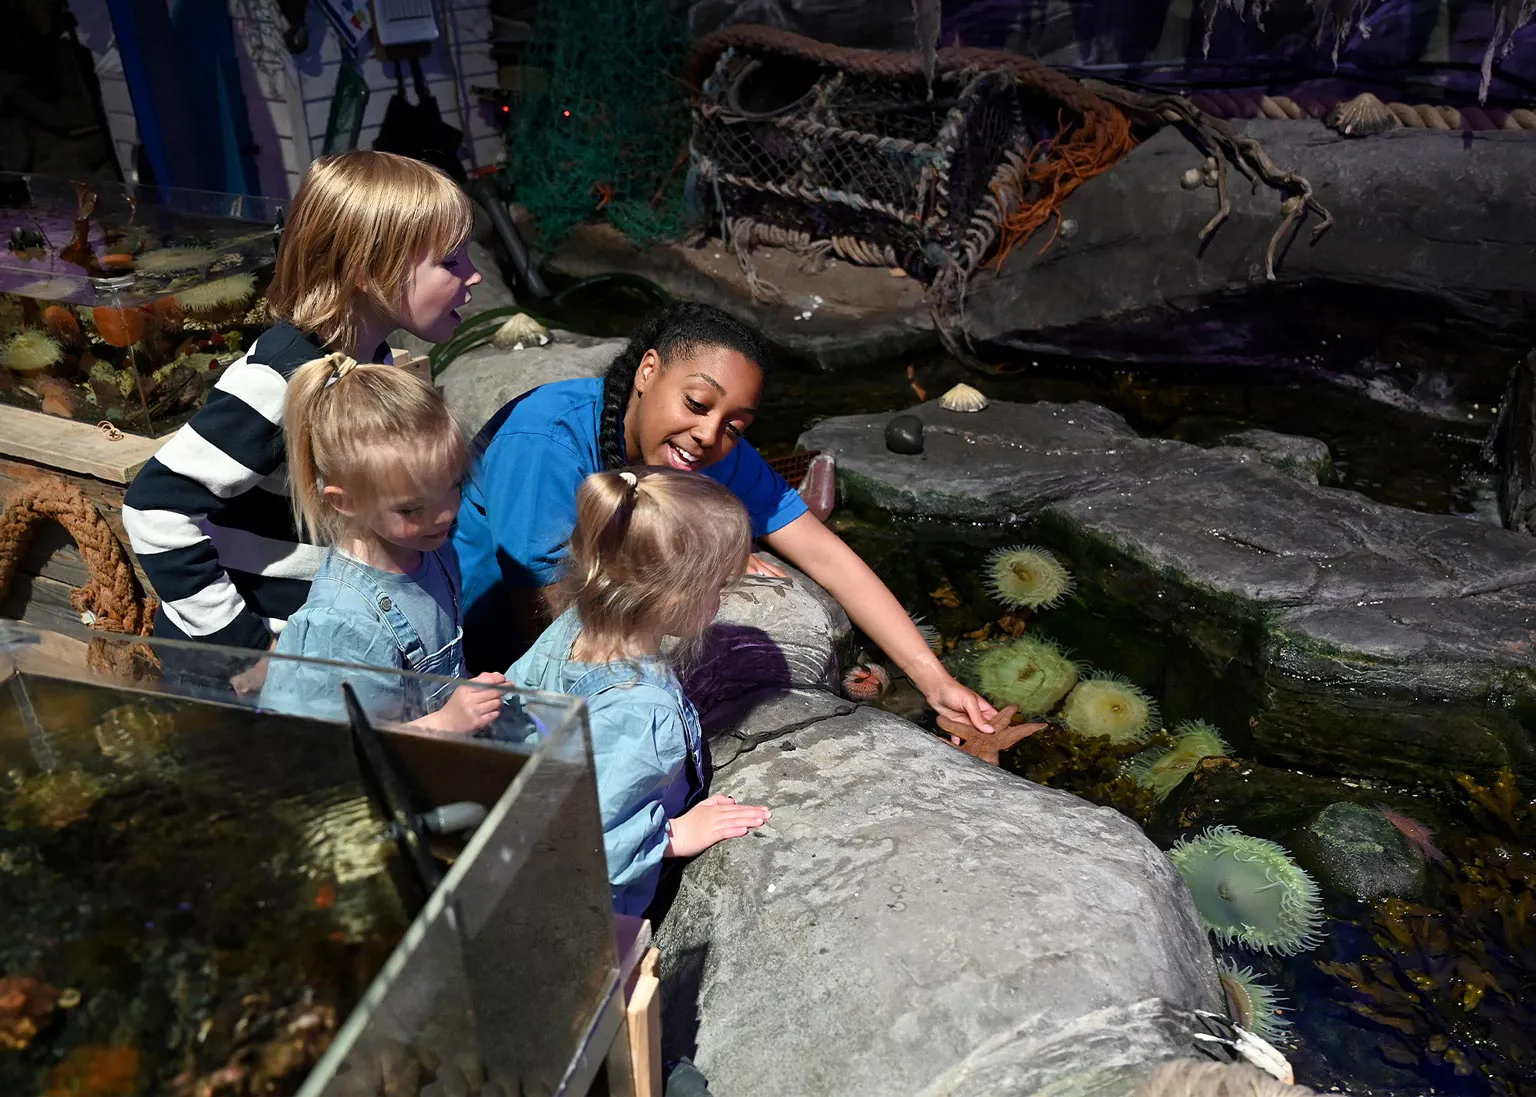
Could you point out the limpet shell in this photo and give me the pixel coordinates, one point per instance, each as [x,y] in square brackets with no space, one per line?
[962,398]
[1362,116]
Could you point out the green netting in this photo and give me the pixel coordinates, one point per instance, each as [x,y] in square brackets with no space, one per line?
[603,141]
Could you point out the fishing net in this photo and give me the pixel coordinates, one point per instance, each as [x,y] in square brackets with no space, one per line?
[604,137]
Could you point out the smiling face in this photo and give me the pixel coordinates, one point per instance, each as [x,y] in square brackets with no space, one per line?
[689,413]
[438,287]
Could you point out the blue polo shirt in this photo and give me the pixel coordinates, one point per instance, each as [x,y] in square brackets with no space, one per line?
[519,504]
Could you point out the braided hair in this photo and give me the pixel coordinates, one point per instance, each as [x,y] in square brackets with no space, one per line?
[682,328]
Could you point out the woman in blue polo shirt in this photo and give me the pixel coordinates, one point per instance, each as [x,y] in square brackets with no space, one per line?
[680,395]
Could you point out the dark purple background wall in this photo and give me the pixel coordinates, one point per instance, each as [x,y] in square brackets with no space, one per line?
[1420,46]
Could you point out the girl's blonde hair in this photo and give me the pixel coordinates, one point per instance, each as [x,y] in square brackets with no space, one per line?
[360,426]
[651,547]
[360,223]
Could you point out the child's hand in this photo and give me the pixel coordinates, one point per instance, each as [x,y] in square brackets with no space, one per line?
[756,565]
[470,709]
[252,678]
[714,820]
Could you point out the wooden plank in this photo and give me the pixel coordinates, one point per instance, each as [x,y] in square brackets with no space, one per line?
[72,446]
[44,603]
[642,1024]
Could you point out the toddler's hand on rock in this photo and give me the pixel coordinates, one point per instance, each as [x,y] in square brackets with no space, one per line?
[756,565]
[712,821]
[470,709]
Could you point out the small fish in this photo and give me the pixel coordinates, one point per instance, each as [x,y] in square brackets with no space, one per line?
[1415,831]
[325,896]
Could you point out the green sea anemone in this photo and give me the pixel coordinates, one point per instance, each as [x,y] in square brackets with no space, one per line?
[1031,672]
[1162,771]
[1251,1002]
[1110,707]
[31,352]
[174,260]
[1027,577]
[226,293]
[1248,890]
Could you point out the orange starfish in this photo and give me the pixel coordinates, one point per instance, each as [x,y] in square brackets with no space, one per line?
[604,192]
[979,744]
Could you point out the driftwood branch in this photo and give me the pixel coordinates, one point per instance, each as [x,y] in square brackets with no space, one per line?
[1221,140]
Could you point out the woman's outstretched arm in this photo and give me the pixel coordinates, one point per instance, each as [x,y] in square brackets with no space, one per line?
[823,555]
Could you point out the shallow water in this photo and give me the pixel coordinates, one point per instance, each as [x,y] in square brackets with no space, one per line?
[178,904]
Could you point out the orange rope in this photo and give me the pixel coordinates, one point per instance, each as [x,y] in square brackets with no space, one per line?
[1076,156]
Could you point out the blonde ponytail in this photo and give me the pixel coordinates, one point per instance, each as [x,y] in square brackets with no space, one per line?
[345,423]
[651,546]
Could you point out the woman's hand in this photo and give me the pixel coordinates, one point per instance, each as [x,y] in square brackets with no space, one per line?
[712,821]
[468,709]
[757,565]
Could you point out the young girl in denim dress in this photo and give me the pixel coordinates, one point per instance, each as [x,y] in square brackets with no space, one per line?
[650,554]
[374,463]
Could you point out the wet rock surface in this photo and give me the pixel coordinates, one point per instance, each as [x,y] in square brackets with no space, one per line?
[1355,851]
[912,920]
[1512,450]
[1320,629]
[477,383]
[1304,458]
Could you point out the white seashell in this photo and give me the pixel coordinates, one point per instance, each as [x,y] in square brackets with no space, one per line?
[521,328]
[962,398]
[1191,179]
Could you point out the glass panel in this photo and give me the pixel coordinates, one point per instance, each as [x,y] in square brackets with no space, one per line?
[125,303]
[197,890]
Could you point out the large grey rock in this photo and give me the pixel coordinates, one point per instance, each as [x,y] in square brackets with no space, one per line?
[913,920]
[477,383]
[1235,591]
[1429,212]
[769,632]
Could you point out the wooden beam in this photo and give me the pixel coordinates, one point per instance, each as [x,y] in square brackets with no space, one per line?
[71,446]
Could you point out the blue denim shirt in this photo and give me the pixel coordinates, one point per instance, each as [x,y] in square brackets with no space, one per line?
[360,615]
[646,744]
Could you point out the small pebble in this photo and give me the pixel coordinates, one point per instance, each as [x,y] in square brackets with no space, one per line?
[904,434]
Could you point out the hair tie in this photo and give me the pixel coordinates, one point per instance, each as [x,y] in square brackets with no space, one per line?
[630,478]
[341,365]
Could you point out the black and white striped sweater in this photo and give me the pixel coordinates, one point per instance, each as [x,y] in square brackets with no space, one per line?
[209,516]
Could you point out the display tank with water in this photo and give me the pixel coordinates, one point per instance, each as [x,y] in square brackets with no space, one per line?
[123,304]
[204,898]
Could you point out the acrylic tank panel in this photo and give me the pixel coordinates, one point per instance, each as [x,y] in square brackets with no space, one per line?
[202,894]
[122,303]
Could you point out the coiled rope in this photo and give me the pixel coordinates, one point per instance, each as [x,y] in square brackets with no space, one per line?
[1242,103]
[112,600]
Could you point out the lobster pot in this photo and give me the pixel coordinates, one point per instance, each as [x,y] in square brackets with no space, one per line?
[867,167]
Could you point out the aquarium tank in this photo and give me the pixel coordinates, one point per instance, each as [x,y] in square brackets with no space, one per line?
[122,303]
[203,897]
